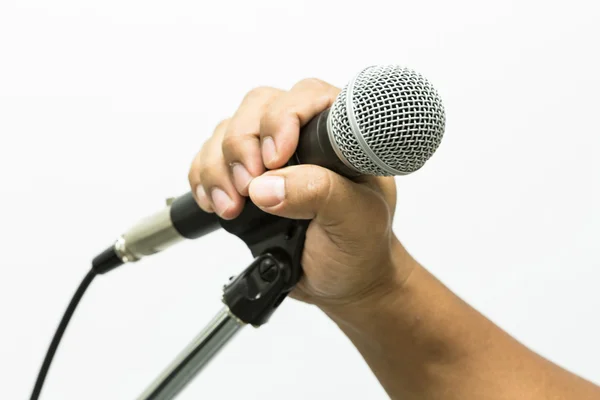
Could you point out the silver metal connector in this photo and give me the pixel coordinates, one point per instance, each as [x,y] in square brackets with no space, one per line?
[151,235]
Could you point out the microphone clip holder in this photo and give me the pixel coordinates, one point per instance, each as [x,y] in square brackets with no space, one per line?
[277,244]
[250,298]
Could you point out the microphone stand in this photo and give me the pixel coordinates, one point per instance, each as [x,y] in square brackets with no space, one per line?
[250,298]
[194,357]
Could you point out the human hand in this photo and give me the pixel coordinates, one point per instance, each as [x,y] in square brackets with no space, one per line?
[350,252]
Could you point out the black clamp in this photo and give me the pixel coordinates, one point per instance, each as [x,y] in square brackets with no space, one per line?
[277,245]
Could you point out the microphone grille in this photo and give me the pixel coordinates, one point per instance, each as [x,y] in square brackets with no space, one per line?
[388,120]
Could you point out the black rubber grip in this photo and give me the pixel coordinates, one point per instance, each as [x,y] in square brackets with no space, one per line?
[314,147]
[190,220]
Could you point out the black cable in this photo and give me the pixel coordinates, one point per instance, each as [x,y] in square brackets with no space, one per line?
[39,383]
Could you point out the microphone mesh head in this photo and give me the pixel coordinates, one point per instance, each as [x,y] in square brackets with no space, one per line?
[388,120]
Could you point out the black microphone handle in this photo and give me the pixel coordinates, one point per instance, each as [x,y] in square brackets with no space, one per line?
[314,147]
[190,220]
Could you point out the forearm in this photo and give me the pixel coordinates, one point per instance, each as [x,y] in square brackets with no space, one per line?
[423,342]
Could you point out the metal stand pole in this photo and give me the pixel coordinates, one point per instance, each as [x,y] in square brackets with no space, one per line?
[191,360]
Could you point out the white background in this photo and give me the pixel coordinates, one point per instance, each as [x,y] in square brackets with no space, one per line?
[103,104]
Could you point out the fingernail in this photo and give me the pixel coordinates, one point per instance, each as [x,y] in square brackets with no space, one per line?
[202,197]
[241,177]
[267,191]
[269,152]
[221,201]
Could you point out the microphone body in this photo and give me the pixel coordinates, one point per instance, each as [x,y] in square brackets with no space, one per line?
[386,121]
[182,218]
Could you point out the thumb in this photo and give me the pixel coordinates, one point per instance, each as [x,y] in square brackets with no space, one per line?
[313,192]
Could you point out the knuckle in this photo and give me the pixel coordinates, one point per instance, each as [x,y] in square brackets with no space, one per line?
[277,115]
[270,118]
[270,111]
[259,92]
[212,147]
[239,147]
[222,125]
[230,143]
[236,148]
[206,176]
[240,129]
[312,83]
[213,169]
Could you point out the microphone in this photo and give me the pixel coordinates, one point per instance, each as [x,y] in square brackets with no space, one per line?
[387,121]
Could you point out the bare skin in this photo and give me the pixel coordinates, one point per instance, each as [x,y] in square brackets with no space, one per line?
[420,340]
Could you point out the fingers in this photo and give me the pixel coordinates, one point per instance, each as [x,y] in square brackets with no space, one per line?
[222,170]
[209,179]
[312,192]
[241,144]
[197,189]
[283,117]
[262,133]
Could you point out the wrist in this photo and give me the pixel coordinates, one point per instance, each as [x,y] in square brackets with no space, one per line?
[411,312]
[406,330]
[399,266]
